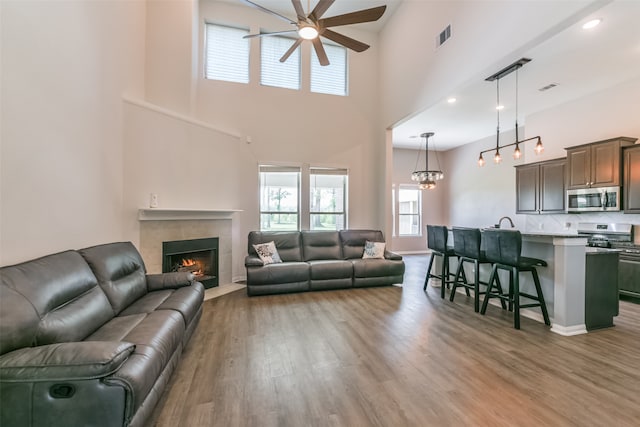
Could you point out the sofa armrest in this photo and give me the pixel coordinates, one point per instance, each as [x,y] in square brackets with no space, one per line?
[178,279]
[392,255]
[64,361]
[253,261]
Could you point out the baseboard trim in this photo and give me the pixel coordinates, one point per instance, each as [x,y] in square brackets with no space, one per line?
[569,331]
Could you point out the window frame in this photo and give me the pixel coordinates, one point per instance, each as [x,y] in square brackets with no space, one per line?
[264,168]
[397,214]
[297,52]
[207,58]
[344,173]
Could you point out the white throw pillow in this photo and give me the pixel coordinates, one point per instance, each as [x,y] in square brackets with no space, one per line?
[268,253]
[373,250]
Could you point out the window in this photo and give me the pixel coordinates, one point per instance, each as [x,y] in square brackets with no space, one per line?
[327,199]
[275,73]
[409,203]
[227,54]
[279,198]
[330,79]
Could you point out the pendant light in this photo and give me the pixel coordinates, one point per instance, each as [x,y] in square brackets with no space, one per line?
[427,177]
[497,158]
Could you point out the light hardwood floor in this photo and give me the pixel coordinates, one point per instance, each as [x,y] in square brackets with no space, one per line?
[397,356]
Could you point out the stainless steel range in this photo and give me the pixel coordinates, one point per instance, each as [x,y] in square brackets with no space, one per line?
[620,237]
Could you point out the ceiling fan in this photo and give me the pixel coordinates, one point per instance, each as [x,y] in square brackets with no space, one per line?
[312,26]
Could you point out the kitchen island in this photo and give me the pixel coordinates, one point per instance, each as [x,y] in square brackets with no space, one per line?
[562,281]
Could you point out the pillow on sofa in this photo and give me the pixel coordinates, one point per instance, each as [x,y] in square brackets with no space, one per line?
[268,253]
[373,250]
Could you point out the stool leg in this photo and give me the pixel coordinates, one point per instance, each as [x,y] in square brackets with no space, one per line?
[455,280]
[445,274]
[426,279]
[543,305]
[511,289]
[494,270]
[476,286]
[502,303]
[464,279]
[516,298]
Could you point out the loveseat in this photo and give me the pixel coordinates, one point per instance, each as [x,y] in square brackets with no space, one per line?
[87,338]
[317,260]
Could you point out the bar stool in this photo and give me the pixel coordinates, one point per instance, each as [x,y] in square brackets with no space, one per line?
[503,248]
[466,245]
[437,236]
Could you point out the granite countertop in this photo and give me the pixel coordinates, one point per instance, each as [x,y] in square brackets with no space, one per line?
[553,234]
[601,251]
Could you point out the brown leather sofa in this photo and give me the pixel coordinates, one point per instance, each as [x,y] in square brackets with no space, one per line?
[87,338]
[317,260]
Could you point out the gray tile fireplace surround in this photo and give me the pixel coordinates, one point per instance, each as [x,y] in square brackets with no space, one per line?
[153,233]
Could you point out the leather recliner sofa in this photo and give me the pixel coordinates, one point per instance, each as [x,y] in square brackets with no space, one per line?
[87,338]
[317,260]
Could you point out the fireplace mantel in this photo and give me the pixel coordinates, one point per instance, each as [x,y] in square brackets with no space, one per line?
[161,214]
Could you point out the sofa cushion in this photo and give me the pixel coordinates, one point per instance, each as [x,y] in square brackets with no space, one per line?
[287,243]
[330,269]
[278,273]
[320,245]
[353,241]
[120,272]
[50,300]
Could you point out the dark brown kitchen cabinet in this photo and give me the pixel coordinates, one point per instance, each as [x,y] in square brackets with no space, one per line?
[596,164]
[631,181]
[540,187]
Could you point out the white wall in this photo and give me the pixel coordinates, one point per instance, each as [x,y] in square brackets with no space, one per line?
[65,66]
[285,126]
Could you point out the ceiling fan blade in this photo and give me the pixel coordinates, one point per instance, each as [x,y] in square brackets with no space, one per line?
[366,15]
[264,9]
[292,49]
[322,55]
[277,33]
[320,9]
[299,10]
[344,40]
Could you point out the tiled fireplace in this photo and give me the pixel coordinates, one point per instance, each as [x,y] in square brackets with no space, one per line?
[160,228]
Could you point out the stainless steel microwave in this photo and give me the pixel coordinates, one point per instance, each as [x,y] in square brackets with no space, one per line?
[593,199]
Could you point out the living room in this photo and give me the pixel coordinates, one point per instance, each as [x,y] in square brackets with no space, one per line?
[104,103]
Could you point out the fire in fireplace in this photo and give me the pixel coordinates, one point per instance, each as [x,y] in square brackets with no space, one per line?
[197,256]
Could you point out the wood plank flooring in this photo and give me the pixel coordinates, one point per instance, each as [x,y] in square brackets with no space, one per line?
[397,356]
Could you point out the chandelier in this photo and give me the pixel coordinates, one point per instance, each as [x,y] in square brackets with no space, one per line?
[497,158]
[427,178]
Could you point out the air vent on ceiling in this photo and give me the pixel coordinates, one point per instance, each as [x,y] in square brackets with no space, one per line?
[443,36]
[547,87]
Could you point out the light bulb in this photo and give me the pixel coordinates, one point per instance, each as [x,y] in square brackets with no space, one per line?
[517,154]
[480,161]
[539,148]
[308,33]
[497,158]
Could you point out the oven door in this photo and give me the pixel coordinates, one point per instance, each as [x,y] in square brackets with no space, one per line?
[593,199]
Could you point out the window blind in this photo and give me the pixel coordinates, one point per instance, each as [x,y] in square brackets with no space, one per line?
[330,79]
[227,54]
[275,73]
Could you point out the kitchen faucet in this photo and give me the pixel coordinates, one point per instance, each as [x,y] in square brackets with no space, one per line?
[507,218]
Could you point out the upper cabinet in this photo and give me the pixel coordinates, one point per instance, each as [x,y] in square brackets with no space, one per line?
[540,187]
[596,164]
[631,182]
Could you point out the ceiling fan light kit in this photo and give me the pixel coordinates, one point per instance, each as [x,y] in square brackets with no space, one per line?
[312,27]
[516,153]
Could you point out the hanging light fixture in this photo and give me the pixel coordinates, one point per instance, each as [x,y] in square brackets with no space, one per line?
[497,158]
[427,178]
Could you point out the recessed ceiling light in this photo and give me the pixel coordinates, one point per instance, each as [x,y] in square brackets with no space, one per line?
[591,24]
[500,107]
[451,100]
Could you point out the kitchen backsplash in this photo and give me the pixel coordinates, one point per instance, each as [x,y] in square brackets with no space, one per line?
[569,222]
